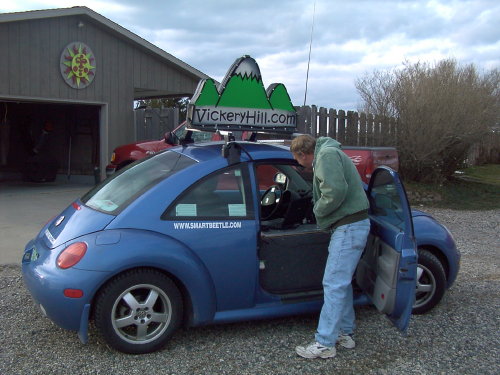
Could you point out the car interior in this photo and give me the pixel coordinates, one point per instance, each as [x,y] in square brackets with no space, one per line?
[293,250]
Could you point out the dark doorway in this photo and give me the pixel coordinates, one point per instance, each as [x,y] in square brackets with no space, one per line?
[62,138]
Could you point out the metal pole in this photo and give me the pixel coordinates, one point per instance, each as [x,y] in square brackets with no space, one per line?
[310,47]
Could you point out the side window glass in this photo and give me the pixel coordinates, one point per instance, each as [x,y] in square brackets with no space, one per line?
[181,132]
[265,176]
[197,136]
[385,201]
[202,136]
[295,179]
[221,195]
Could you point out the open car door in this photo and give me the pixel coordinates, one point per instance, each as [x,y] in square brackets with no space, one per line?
[387,269]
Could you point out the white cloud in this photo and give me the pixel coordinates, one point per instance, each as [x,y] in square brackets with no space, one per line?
[350,38]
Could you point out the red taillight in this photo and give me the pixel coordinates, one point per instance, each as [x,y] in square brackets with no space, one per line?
[76,206]
[73,293]
[71,255]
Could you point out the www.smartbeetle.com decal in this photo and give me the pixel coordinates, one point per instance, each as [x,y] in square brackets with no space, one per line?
[208,225]
[241,102]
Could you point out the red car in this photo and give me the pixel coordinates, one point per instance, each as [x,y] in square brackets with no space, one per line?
[126,154]
[366,159]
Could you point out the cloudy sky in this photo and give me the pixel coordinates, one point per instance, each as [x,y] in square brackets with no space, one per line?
[351,38]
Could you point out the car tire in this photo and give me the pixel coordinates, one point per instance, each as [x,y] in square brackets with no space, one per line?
[431,282]
[138,311]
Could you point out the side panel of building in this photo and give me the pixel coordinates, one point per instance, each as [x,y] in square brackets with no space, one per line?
[31,71]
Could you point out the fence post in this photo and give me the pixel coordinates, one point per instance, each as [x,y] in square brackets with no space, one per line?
[352,128]
[332,126]
[304,119]
[377,131]
[314,121]
[392,130]
[370,141]
[322,122]
[362,129]
[341,136]
[384,131]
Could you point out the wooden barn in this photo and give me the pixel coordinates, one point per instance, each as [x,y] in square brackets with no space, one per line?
[68,81]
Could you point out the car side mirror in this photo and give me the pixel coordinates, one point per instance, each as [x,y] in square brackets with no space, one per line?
[280,178]
[171,139]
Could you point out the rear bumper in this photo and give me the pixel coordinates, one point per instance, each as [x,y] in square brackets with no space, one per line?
[46,284]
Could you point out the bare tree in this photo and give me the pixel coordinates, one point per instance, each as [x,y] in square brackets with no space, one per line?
[441,111]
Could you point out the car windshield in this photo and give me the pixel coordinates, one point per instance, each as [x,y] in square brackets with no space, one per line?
[115,193]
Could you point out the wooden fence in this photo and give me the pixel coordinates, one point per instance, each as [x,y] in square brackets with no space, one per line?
[349,128]
[153,123]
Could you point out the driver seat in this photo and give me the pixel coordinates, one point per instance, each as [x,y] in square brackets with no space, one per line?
[296,212]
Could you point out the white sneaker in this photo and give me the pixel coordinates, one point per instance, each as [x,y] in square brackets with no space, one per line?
[316,350]
[346,341]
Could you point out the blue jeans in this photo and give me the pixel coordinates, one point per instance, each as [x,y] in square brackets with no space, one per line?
[337,314]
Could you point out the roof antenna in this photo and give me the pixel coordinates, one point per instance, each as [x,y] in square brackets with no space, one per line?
[310,47]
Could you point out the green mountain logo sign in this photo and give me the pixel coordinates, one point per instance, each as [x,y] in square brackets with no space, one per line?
[240,102]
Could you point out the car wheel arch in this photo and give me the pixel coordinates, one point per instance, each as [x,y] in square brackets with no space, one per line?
[190,305]
[431,282]
[434,250]
[121,272]
[137,311]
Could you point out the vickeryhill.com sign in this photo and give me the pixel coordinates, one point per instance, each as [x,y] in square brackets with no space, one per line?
[241,102]
[243,116]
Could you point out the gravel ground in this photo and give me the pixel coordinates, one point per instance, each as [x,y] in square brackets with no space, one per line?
[460,336]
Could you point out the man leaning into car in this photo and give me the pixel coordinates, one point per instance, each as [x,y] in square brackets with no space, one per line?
[340,204]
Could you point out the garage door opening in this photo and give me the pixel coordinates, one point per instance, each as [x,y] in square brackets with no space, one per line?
[42,141]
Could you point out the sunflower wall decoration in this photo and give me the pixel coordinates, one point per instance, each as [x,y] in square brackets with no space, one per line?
[78,65]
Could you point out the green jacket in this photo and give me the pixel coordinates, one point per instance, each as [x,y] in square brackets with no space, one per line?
[339,197]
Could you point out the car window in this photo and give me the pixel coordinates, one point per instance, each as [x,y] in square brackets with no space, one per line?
[295,180]
[115,193]
[385,201]
[225,194]
[181,132]
[202,136]
[265,175]
[196,135]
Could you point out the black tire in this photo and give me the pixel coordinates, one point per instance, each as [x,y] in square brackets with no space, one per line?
[131,323]
[431,282]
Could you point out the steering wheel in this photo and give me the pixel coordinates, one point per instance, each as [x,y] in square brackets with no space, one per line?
[271,202]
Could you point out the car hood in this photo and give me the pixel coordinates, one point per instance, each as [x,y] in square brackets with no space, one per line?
[75,221]
[152,145]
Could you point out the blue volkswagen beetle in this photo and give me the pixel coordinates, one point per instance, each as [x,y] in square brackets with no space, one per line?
[222,232]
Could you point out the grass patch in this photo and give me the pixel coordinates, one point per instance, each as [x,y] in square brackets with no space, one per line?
[486,174]
[476,188]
